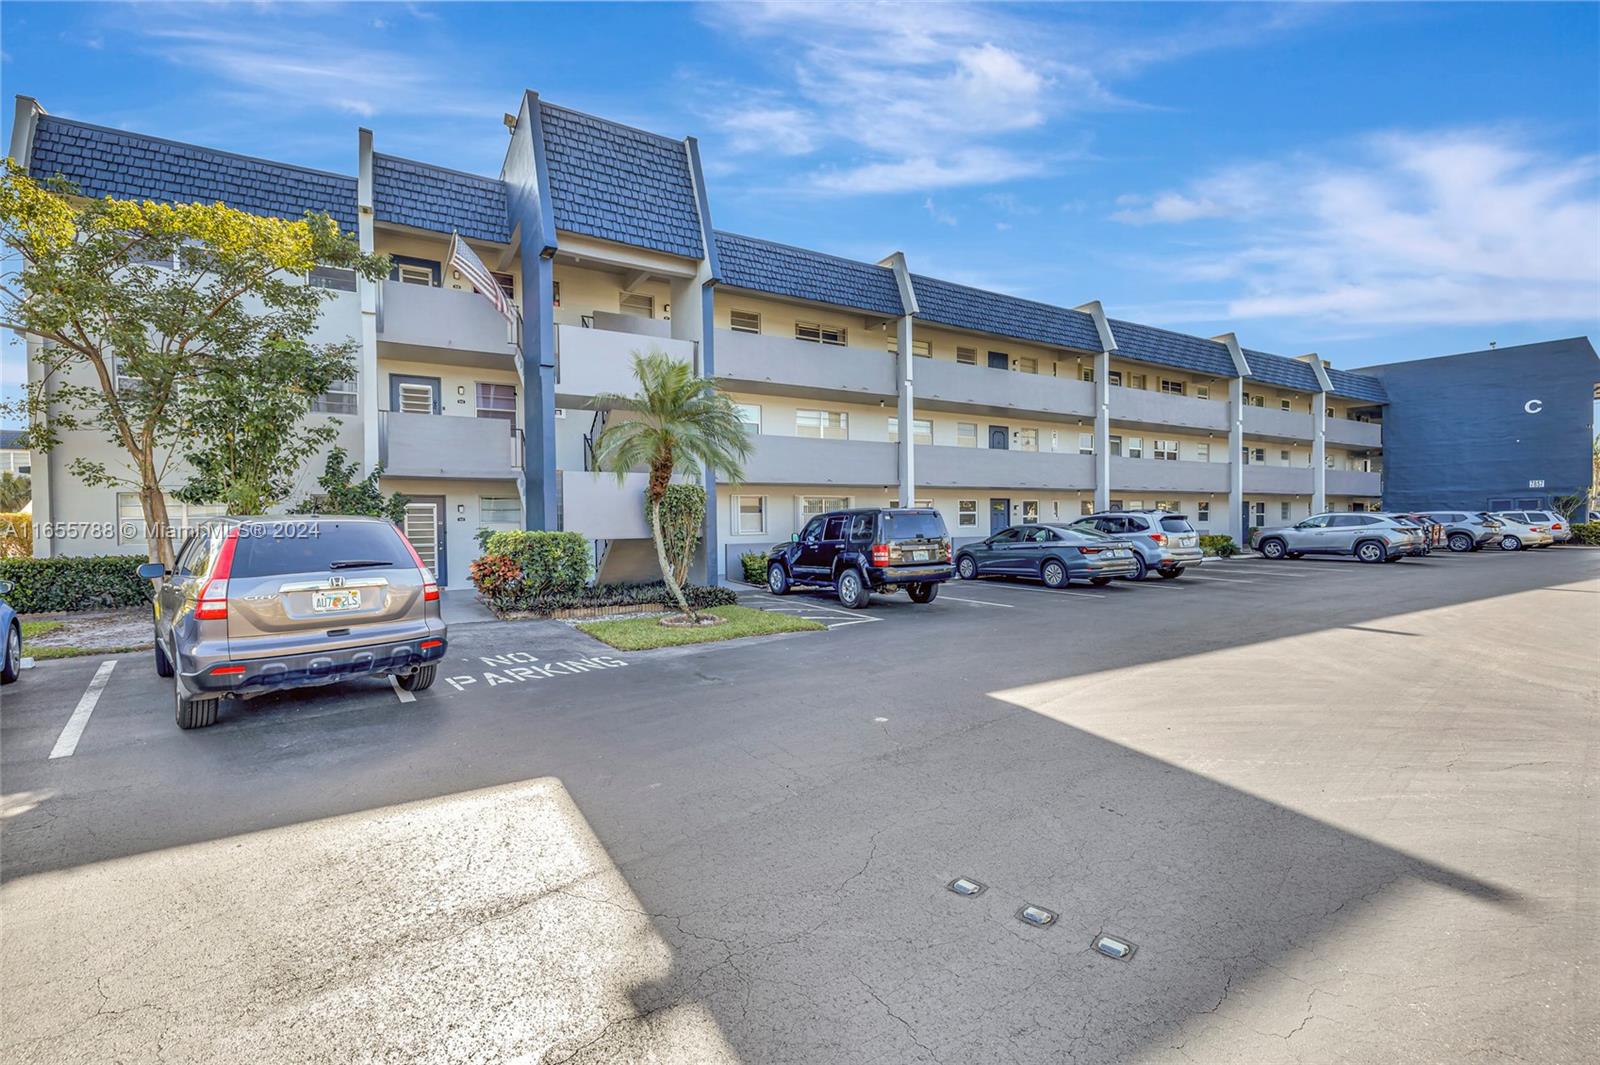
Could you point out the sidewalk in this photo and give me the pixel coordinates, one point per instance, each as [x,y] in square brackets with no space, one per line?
[460,606]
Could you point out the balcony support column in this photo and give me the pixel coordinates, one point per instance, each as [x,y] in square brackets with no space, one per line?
[906,466]
[1319,435]
[369,394]
[703,333]
[1102,432]
[1238,525]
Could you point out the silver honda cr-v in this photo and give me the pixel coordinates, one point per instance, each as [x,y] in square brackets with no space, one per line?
[259,604]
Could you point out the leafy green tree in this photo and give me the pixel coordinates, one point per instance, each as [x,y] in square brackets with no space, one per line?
[344,491]
[676,425]
[15,492]
[148,313]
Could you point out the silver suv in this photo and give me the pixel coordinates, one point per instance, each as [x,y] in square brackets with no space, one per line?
[259,604]
[1162,541]
[1465,530]
[1369,537]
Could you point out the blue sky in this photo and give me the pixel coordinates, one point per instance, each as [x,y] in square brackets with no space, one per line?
[1371,182]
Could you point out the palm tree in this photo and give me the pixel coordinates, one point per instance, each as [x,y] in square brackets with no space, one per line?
[679,426]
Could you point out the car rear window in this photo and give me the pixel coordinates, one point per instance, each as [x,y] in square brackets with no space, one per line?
[908,525]
[1176,525]
[268,548]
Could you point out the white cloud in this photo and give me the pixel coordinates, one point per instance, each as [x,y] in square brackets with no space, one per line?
[971,166]
[1444,227]
[939,215]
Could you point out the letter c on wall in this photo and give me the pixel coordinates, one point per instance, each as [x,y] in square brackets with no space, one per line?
[1533,406]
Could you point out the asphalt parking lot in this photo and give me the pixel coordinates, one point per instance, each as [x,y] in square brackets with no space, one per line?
[1344,812]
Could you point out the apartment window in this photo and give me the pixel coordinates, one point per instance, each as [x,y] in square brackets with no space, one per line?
[1027,440]
[1116,443]
[497,401]
[1133,504]
[1202,452]
[923,349]
[921,431]
[1087,373]
[1259,455]
[822,424]
[1085,507]
[750,415]
[1114,377]
[1030,512]
[1086,443]
[819,334]
[1026,365]
[1116,505]
[744,322]
[967,356]
[508,285]
[1134,447]
[340,398]
[555,293]
[1283,511]
[1202,512]
[184,516]
[1136,380]
[499,510]
[637,305]
[750,515]
[332,277]
[966,434]
[1254,401]
[1173,388]
[122,381]
[967,513]
[1283,457]
[1258,515]
[1165,450]
[413,271]
[1331,414]
[416,397]
[810,506]
[1283,404]
[1202,391]
[1170,506]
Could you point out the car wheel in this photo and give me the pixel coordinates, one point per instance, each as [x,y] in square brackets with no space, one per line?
[1371,551]
[1511,543]
[1054,574]
[421,680]
[11,663]
[163,663]
[923,591]
[1460,542]
[1272,549]
[1171,574]
[193,712]
[853,591]
[1099,582]
[1139,569]
[966,567]
[777,579]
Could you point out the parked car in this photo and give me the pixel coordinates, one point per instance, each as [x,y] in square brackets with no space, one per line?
[1428,532]
[1162,541]
[11,656]
[1054,554]
[1369,537]
[261,604]
[858,552]
[1466,530]
[1522,532]
[1559,528]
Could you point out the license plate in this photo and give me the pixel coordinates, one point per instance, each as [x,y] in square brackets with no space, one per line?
[342,599]
[1186,541]
[1119,554]
[920,556]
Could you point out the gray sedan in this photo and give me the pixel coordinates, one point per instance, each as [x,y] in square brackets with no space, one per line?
[1054,554]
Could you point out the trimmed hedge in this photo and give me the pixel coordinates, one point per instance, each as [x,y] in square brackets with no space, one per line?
[755,566]
[551,563]
[620,596]
[1219,545]
[94,582]
[1586,532]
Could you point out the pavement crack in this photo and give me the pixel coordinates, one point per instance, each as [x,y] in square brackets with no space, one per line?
[910,1031]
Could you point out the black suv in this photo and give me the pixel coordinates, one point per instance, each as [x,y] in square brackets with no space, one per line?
[858,552]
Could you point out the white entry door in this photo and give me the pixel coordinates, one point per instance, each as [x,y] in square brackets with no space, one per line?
[424,527]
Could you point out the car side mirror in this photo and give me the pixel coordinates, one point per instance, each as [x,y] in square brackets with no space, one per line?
[152,571]
[794,538]
[5,587]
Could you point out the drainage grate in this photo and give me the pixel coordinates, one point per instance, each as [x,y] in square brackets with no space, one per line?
[1037,916]
[1112,947]
[963,886]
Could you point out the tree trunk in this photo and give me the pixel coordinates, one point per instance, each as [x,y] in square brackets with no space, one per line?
[157,534]
[661,559]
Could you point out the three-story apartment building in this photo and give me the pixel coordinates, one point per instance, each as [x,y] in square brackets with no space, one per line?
[860,382]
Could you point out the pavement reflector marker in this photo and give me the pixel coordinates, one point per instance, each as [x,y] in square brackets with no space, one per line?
[1112,947]
[1037,916]
[964,886]
[67,742]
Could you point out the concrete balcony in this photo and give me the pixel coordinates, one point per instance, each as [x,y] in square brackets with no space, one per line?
[1150,475]
[950,386]
[443,446]
[1347,433]
[1158,410]
[1355,483]
[1271,424]
[775,365]
[975,467]
[443,325]
[1279,480]
[803,460]
[595,505]
[592,361]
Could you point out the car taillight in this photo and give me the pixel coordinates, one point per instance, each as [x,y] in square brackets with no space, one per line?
[1090,550]
[1537,528]
[1158,538]
[227,671]
[880,554]
[213,603]
[1556,527]
[949,551]
[428,645]
[430,588]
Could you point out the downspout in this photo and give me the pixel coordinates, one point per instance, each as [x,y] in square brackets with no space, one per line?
[370,294]
[709,274]
[1102,404]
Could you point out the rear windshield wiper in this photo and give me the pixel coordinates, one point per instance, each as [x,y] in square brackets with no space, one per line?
[358,563]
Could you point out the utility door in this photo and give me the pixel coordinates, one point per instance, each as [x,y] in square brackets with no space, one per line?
[999,515]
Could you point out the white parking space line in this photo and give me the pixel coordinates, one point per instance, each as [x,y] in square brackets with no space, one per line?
[979,602]
[833,617]
[405,696]
[1021,587]
[67,742]
[1224,580]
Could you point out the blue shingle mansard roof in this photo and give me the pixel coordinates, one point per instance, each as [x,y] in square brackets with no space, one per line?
[618,183]
[1280,371]
[432,197]
[762,266]
[1357,386]
[946,303]
[1149,344]
[112,162]
[9,438]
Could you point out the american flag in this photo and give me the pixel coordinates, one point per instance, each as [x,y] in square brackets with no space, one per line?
[463,258]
